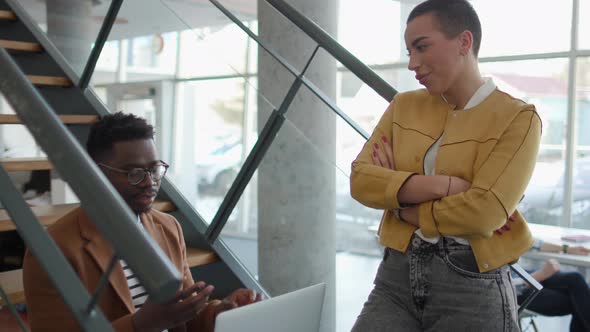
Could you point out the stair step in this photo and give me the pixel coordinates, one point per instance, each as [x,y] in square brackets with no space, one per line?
[50,81]
[48,214]
[164,206]
[12,281]
[198,257]
[66,119]
[7,15]
[12,284]
[25,164]
[13,45]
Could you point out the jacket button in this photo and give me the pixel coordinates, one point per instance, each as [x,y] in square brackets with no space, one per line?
[485,266]
[442,172]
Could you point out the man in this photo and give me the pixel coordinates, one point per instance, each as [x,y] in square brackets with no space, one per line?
[564,292]
[123,147]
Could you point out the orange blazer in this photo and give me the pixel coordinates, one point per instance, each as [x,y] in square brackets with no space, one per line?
[89,254]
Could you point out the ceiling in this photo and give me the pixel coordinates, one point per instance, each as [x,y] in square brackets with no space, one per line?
[148,17]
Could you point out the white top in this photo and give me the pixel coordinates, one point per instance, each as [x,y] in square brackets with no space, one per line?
[138,293]
[430,159]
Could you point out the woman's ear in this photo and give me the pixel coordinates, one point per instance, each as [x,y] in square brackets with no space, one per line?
[465,40]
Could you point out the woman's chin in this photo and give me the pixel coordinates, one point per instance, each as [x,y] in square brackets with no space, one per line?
[433,90]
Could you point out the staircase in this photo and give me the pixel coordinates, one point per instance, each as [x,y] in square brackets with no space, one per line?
[77,108]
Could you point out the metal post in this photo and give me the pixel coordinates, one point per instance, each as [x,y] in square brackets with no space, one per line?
[103,282]
[570,148]
[101,39]
[12,310]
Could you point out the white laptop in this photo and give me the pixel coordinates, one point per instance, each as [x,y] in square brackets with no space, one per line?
[298,311]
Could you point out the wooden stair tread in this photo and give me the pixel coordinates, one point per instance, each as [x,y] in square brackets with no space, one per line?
[25,164]
[164,206]
[48,214]
[67,119]
[7,15]
[14,45]
[50,80]
[198,257]
[12,284]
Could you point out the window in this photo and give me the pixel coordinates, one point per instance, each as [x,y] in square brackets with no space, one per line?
[584,25]
[544,84]
[581,174]
[524,26]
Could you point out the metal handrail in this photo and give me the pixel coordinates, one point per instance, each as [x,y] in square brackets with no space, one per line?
[160,278]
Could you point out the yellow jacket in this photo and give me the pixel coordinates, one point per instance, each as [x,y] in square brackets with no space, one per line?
[493,145]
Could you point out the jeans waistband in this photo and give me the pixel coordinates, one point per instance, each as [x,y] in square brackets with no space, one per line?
[417,244]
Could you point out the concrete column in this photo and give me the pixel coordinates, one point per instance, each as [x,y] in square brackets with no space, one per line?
[72,29]
[296,185]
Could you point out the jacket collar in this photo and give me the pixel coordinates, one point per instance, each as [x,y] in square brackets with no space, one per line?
[101,251]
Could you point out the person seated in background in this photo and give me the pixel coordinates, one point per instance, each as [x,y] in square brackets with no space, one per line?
[563,293]
[122,145]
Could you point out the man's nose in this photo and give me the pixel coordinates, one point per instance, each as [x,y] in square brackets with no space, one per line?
[147,180]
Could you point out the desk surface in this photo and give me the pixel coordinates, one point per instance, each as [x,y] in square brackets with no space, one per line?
[553,234]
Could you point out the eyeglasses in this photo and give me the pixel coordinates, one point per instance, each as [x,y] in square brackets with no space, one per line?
[136,175]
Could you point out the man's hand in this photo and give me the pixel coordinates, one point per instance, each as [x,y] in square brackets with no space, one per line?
[186,304]
[243,296]
[550,268]
[238,298]
[383,154]
[208,315]
[578,250]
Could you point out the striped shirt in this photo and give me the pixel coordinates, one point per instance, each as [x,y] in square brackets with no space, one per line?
[138,293]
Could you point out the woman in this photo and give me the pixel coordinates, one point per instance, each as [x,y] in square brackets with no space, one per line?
[448,164]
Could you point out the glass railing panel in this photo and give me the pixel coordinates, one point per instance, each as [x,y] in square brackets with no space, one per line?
[581,181]
[140,49]
[72,26]
[360,102]
[302,187]
[544,84]
[218,128]
[197,87]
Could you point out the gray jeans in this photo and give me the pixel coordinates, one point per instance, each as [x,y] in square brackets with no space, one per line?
[437,287]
